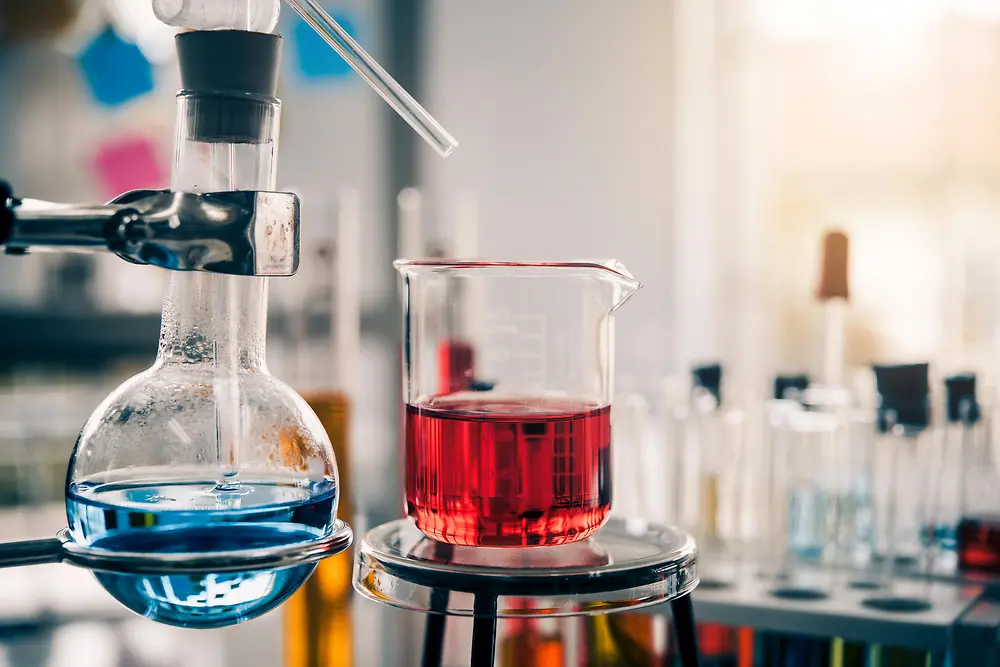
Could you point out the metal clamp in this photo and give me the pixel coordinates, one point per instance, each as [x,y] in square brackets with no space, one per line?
[243,233]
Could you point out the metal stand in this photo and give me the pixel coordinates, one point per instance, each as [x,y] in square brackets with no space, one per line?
[626,565]
[684,627]
[484,630]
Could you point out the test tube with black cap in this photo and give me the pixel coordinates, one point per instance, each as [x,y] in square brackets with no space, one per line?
[900,474]
[955,443]
[706,401]
[977,537]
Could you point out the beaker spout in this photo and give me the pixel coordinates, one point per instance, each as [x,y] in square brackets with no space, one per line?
[626,283]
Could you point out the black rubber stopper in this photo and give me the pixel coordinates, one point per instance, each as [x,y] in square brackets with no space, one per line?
[230,74]
[903,390]
[709,378]
[961,390]
[229,61]
[784,385]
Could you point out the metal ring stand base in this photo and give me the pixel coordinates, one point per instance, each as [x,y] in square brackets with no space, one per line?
[484,634]
[627,565]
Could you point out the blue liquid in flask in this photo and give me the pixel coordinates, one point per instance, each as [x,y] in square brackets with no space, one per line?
[171,518]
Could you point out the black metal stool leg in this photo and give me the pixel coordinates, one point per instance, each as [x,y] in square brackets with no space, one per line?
[484,630]
[687,636]
[434,631]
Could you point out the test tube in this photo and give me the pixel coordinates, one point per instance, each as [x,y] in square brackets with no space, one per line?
[677,457]
[903,417]
[788,391]
[409,206]
[714,448]
[805,444]
[718,442]
[978,533]
[628,638]
[952,445]
[387,87]
[630,428]
[319,617]
[706,400]
[457,356]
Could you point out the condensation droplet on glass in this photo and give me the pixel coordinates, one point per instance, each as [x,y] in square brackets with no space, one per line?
[316,470]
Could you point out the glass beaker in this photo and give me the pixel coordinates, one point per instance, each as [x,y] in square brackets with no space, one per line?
[513,448]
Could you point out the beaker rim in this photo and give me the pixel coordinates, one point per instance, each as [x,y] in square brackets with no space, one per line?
[612,266]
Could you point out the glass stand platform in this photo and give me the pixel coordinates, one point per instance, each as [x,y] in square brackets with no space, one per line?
[62,549]
[628,564]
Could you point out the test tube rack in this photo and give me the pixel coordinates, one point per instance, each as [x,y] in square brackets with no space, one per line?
[962,623]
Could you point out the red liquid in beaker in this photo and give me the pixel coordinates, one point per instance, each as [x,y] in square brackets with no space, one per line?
[978,543]
[507,473]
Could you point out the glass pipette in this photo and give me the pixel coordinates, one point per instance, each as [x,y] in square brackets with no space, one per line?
[362,63]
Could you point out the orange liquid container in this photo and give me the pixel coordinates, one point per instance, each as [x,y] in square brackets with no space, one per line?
[318,624]
[529,644]
[620,639]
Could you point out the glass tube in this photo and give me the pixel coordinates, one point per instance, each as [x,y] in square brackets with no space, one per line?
[773,534]
[319,623]
[408,108]
[944,493]
[214,319]
[803,476]
[900,477]
[978,533]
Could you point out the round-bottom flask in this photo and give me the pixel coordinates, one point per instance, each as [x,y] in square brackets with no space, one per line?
[206,452]
[145,478]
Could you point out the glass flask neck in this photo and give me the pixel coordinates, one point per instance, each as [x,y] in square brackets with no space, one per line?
[215,320]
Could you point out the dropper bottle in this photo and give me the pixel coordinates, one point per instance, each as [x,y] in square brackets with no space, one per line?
[833,293]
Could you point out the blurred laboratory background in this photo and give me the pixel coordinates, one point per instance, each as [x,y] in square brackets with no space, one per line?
[710,145]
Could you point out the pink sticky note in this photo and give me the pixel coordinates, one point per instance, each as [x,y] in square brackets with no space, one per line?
[129,163]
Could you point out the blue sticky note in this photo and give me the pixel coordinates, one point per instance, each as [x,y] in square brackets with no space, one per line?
[115,71]
[314,58]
